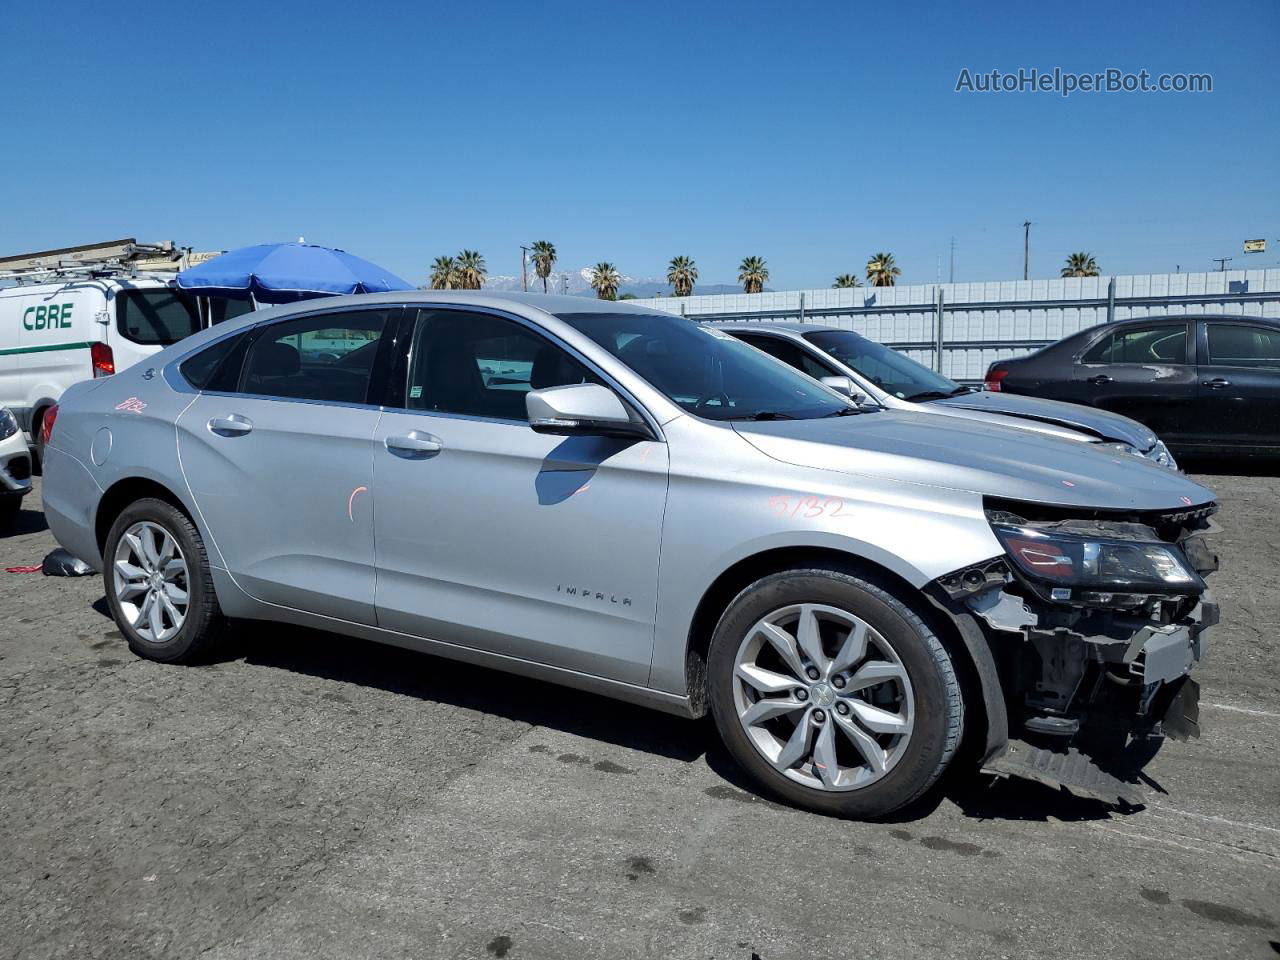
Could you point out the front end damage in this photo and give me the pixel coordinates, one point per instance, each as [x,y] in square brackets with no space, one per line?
[1094,622]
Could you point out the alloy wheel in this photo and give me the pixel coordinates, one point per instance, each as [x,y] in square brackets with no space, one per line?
[149,574]
[823,697]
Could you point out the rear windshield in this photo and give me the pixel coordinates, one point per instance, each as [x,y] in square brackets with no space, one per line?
[163,316]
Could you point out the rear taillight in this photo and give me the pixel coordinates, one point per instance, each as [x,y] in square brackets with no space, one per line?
[46,425]
[994,376]
[104,361]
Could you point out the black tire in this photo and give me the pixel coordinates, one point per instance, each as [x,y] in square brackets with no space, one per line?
[204,623]
[939,706]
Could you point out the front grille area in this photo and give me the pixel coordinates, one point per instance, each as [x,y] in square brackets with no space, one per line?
[20,468]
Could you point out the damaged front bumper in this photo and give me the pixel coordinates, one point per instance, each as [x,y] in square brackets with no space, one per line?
[1095,681]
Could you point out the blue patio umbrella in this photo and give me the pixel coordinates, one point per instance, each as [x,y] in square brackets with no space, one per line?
[285,272]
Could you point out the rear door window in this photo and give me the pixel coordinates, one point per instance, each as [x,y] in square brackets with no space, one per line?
[1160,343]
[1237,345]
[199,370]
[328,357]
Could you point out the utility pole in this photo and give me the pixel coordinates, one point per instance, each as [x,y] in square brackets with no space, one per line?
[952,278]
[1222,262]
[1026,249]
[524,268]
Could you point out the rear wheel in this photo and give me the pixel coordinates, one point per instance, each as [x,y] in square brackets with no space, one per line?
[158,584]
[833,694]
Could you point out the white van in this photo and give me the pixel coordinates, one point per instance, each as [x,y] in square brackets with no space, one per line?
[74,327]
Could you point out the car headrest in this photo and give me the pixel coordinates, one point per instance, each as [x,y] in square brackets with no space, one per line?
[275,360]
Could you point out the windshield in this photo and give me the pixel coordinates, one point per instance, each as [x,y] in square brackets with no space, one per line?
[706,371]
[891,371]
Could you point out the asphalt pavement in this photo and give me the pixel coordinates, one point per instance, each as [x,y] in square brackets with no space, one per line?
[311,796]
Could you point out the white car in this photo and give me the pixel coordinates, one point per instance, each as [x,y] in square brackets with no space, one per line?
[77,328]
[15,468]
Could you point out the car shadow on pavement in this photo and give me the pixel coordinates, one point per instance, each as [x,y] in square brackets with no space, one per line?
[414,674]
[27,521]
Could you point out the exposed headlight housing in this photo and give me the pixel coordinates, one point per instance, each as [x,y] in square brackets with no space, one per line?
[1059,564]
[1158,454]
[1161,455]
[8,423]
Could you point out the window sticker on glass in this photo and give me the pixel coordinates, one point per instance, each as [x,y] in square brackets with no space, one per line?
[415,393]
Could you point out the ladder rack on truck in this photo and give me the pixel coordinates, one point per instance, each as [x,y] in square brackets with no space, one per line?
[117,257]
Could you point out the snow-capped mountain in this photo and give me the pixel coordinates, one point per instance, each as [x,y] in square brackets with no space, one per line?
[577,283]
[573,282]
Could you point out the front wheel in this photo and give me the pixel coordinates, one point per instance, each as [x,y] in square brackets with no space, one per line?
[833,694]
[158,583]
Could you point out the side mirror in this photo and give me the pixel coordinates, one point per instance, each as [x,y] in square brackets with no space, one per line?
[841,385]
[582,410]
[845,387]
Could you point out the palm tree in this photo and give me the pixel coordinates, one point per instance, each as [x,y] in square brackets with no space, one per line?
[471,270]
[752,274]
[1080,265]
[847,280]
[682,274]
[544,258]
[604,280]
[882,271]
[444,273]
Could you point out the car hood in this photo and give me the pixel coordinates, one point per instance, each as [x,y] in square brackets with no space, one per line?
[981,458]
[1101,423]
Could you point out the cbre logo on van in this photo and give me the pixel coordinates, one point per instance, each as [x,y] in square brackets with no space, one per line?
[56,316]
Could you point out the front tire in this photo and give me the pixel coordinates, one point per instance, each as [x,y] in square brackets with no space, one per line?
[833,694]
[158,584]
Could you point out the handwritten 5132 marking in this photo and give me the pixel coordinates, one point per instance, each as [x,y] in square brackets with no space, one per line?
[808,507]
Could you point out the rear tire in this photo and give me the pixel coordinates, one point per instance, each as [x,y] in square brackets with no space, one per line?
[158,584]
[863,710]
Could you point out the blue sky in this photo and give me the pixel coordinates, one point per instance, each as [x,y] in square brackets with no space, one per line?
[810,134]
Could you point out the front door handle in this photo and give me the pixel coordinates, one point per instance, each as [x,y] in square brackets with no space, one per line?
[414,445]
[1100,379]
[230,426]
[1217,383]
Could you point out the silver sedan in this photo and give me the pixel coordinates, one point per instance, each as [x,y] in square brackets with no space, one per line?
[623,501]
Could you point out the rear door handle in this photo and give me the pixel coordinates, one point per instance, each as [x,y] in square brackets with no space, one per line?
[414,445]
[1100,379]
[1217,383]
[231,426]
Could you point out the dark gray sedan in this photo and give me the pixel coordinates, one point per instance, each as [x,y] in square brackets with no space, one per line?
[1207,384]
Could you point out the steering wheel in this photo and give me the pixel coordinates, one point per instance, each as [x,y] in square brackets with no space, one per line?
[706,398]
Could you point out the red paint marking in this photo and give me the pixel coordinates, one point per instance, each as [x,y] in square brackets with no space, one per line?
[352,499]
[1067,483]
[1186,501]
[132,405]
[583,488]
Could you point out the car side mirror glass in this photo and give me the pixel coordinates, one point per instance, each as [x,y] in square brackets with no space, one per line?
[582,410]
